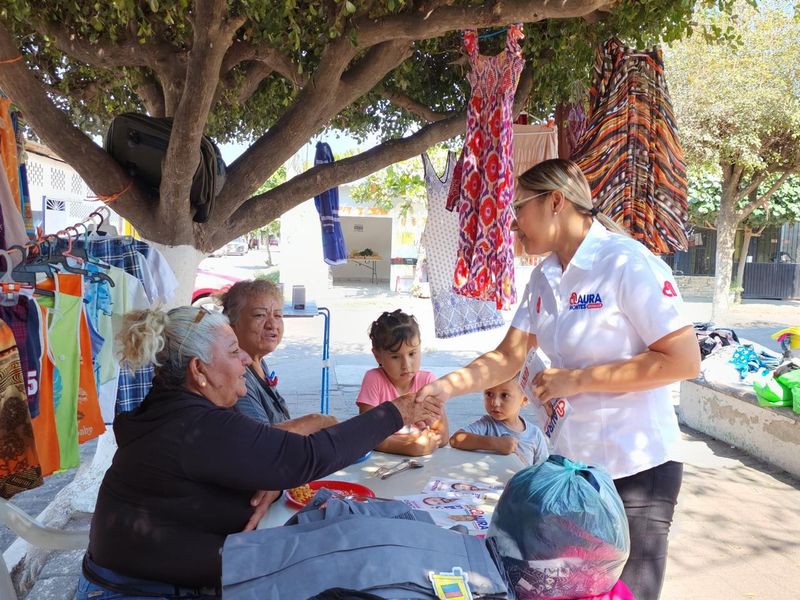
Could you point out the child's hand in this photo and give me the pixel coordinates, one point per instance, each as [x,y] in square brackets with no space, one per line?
[428,441]
[507,444]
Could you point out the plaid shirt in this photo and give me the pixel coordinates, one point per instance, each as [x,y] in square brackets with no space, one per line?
[123,253]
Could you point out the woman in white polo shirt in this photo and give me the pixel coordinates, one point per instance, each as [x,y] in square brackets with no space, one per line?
[607,313]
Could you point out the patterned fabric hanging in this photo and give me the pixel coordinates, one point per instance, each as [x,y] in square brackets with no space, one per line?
[630,151]
[485,260]
[19,462]
[453,314]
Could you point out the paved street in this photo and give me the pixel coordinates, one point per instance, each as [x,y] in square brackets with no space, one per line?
[735,533]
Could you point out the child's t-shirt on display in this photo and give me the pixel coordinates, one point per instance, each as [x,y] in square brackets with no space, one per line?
[377,389]
[531,446]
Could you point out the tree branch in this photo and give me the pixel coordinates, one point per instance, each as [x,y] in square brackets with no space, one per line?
[745,212]
[241,51]
[212,35]
[149,90]
[414,107]
[443,19]
[752,186]
[290,132]
[126,52]
[254,74]
[369,70]
[93,164]
[264,207]
[323,177]
[301,122]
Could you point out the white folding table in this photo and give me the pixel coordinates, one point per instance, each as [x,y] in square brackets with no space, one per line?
[445,462]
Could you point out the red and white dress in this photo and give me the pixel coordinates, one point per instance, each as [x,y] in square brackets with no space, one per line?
[485,261]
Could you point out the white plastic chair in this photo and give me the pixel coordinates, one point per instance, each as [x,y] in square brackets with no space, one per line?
[48,538]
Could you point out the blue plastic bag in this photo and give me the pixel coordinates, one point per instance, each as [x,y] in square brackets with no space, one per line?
[561,530]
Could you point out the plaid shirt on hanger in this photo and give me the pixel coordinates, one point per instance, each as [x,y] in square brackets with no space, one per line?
[124,253]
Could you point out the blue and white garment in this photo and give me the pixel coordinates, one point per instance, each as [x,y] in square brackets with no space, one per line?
[327,203]
[531,443]
[121,252]
[453,314]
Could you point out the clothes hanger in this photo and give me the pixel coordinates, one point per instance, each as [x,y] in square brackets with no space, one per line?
[491,34]
[9,289]
[61,259]
[109,230]
[22,275]
[81,250]
[31,266]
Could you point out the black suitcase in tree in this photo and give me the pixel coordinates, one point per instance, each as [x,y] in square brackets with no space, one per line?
[139,142]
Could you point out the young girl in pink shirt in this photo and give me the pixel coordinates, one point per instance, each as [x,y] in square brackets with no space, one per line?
[396,347]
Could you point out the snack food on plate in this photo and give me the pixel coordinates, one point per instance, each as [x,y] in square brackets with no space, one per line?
[302,494]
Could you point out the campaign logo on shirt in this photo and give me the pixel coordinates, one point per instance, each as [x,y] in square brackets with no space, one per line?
[585,301]
[539,305]
[669,290]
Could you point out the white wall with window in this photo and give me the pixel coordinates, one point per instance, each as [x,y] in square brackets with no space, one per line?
[59,196]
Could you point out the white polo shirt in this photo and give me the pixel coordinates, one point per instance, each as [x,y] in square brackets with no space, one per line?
[613,300]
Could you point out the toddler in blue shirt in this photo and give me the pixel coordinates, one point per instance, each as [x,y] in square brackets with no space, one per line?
[503,429]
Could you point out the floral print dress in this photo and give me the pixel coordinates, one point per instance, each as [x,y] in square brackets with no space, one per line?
[485,261]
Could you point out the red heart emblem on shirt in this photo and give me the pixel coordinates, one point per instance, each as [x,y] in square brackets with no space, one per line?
[539,305]
[668,290]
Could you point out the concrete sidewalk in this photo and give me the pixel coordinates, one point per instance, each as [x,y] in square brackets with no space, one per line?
[736,531]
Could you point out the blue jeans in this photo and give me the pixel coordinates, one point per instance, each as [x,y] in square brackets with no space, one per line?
[91,591]
[114,586]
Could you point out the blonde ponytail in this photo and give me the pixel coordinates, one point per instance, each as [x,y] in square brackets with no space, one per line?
[142,337]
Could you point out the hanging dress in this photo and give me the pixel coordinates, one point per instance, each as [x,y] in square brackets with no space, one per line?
[630,151]
[453,314]
[485,261]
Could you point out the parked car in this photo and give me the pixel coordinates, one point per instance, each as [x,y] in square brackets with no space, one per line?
[273,241]
[237,247]
[209,283]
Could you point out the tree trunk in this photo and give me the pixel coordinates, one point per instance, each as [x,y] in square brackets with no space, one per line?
[727,220]
[748,235]
[184,261]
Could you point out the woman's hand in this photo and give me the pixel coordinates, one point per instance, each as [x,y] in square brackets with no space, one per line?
[440,390]
[261,502]
[552,384]
[427,410]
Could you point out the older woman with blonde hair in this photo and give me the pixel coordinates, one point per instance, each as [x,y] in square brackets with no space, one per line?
[608,314]
[188,467]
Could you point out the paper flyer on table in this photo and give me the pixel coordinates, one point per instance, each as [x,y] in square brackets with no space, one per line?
[448,511]
[460,487]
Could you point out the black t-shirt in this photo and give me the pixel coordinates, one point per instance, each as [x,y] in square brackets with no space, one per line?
[185,472]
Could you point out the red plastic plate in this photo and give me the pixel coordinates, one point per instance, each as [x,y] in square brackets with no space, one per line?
[340,486]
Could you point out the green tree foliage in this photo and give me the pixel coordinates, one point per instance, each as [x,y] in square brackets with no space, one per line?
[276,73]
[400,186]
[738,106]
[705,191]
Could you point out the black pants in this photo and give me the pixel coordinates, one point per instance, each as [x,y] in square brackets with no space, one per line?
[649,498]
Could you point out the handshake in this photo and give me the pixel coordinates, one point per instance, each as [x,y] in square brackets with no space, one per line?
[421,411]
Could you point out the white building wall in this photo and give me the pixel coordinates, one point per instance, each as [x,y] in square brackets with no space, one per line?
[59,196]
